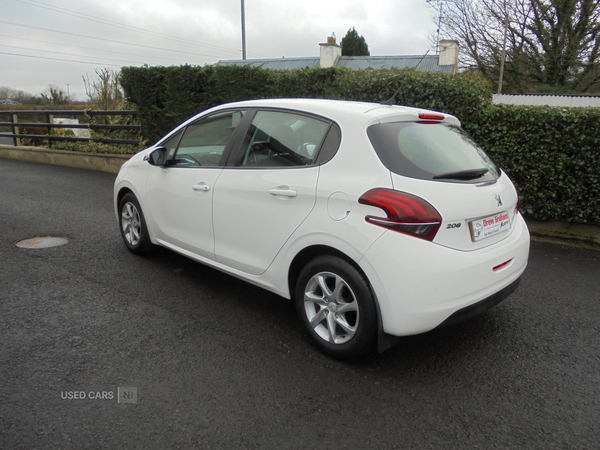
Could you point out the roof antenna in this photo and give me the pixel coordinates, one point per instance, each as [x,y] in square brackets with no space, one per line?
[390,101]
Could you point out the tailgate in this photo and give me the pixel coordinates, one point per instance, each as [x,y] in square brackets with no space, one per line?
[473,215]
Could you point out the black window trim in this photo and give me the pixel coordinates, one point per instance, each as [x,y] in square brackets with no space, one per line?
[249,118]
[231,144]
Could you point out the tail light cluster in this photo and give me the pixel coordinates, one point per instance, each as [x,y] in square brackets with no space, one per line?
[406,213]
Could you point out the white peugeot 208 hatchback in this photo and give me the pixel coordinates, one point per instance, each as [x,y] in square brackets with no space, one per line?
[378,221]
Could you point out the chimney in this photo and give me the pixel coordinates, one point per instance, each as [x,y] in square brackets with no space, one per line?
[330,53]
[449,54]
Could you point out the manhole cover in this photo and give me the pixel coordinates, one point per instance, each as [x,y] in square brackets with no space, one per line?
[41,242]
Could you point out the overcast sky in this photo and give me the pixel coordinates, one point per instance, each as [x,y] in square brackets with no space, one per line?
[59,41]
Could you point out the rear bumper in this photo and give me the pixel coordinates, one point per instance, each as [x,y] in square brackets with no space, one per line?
[480,307]
[420,285]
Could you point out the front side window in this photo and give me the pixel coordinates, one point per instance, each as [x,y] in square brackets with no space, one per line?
[203,142]
[282,139]
[431,152]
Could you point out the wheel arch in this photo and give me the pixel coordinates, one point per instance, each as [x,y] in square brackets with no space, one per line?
[122,192]
[118,196]
[304,256]
[384,340]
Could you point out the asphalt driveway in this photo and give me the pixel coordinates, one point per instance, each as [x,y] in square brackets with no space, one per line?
[103,349]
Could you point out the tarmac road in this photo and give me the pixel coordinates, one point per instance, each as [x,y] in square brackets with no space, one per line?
[218,363]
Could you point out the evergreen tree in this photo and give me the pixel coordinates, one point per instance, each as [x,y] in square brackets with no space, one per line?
[354,45]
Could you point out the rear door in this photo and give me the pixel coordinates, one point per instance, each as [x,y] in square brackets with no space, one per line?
[270,189]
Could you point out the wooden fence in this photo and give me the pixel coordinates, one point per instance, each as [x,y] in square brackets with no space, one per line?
[17,126]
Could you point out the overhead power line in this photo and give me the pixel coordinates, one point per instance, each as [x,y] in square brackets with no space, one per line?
[59,59]
[91,18]
[68,54]
[103,39]
[83,48]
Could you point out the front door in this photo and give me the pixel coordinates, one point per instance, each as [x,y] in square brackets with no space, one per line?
[181,194]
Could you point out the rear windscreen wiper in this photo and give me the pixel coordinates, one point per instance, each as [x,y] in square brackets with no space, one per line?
[471,174]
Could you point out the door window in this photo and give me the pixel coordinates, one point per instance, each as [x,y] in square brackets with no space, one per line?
[203,143]
[282,139]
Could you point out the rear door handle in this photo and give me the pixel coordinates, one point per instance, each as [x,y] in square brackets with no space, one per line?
[201,187]
[284,191]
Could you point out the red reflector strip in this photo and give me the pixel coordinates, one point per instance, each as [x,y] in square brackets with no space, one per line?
[503,265]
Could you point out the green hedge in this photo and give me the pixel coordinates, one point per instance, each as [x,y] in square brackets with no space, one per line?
[166,96]
[552,154]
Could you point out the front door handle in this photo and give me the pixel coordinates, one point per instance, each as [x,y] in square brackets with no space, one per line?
[201,187]
[284,191]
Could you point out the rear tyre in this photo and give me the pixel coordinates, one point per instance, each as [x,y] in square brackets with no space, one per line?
[336,306]
[133,226]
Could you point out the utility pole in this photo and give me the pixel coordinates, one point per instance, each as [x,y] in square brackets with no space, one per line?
[68,94]
[243,32]
[503,49]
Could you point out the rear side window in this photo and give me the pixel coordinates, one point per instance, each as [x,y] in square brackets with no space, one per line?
[282,139]
[431,152]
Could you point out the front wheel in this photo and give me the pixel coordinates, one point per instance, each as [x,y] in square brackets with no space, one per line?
[133,225]
[336,305]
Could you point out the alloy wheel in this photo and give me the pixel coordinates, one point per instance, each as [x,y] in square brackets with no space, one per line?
[131,223]
[331,308]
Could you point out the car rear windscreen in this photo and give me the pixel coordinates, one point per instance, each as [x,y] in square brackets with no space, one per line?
[431,152]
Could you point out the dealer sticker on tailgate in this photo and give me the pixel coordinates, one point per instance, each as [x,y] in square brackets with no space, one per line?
[489,226]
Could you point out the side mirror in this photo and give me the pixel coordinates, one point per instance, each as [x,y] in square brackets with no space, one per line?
[158,157]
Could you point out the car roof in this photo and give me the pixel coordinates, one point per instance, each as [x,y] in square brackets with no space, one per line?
[338,110]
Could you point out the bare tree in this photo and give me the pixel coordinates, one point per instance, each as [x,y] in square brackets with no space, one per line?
[105,91]
[552,43]
[7,92]
[54,95]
